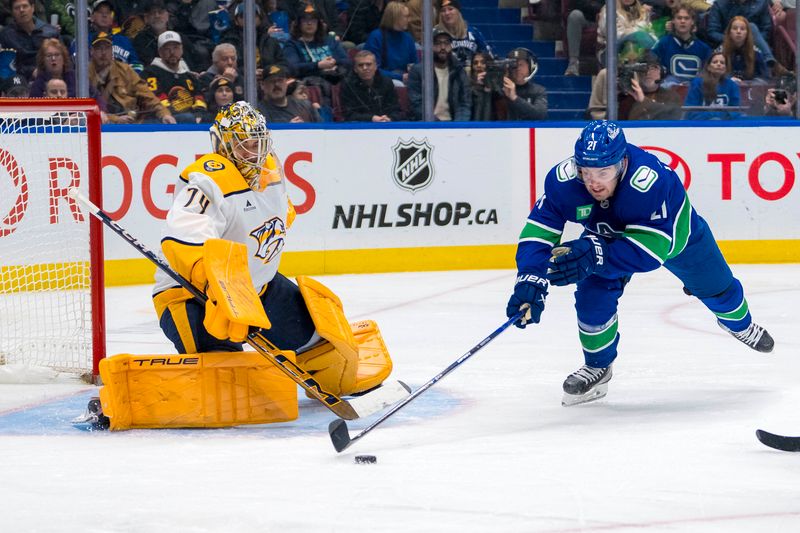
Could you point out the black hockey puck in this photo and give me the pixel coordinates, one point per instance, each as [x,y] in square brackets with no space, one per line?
[366,459]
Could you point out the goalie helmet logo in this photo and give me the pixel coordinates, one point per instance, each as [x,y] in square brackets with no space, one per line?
[271,236]
[412,169]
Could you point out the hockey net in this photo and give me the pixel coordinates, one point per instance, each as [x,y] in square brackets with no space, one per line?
[51,269]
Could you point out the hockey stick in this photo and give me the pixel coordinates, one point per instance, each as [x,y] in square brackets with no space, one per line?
[340,436]
[358,407]
[779,442]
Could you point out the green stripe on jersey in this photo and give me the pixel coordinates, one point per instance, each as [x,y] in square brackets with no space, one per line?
[597,340]
[682,228]
[737,314]
[656,243]
[535,231]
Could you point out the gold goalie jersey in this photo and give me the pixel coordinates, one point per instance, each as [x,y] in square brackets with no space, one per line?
[212,200]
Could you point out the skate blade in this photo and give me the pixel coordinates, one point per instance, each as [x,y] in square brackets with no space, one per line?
[576,399]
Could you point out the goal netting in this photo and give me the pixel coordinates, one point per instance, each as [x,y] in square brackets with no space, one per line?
[51,303]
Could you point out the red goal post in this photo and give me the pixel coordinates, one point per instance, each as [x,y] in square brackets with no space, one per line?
[51,253]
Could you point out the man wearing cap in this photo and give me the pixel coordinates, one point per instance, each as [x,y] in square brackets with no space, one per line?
[126,97]
[102,20]
[268,49]
[25,35]
[169,78]
[452,92]
[277,106]
[14,87]
[156,19]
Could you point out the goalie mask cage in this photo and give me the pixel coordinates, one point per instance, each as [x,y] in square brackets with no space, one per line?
[51,252]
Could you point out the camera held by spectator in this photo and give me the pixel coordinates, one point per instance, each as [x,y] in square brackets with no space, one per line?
[782,100]
[496,70]
[627,72]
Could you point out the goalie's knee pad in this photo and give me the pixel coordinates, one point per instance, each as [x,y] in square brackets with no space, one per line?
[354,357]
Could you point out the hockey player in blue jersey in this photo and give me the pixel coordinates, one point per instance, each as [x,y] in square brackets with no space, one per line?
[636,217]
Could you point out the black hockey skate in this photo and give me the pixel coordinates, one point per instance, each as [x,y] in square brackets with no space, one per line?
[587,384]
[93,417]
[754,336]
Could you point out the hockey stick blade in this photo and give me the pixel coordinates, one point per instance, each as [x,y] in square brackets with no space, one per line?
[341,408]
[778,442]
[340,435]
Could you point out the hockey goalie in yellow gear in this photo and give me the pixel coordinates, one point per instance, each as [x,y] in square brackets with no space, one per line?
[225,233]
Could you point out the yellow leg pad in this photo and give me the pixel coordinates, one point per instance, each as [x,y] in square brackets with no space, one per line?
[199,390]
[337,368]
[373,366]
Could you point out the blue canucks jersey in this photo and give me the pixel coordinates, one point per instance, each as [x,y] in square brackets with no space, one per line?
[646,222]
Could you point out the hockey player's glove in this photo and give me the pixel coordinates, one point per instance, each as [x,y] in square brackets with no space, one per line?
[576,260]
[530,291]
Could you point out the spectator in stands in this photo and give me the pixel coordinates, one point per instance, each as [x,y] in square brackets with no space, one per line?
[268,48]
[277,106]
[634,30]
[680,52]
[190,18]
[713,89]
[368,95]
[756,12]
[363,17]
[169,78]
[415,18]
[649,100]
[224,63]
[14,87]
[745,61]
[124,96]
[311,52]
[220,94]
[52,62]
[327,10]
[525,100]
[452,93]
[584,14]
[466,38]
[392,45]
[102,20]
[25,34]
[277,21]
[782,100]
[482,90]
[55,88]
[156,19]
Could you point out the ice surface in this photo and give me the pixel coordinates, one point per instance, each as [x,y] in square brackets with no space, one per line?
[489,448]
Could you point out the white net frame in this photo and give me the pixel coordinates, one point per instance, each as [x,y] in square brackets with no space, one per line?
[51,305]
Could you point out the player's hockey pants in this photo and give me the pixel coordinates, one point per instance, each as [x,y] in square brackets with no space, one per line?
[292,326]
[704,273]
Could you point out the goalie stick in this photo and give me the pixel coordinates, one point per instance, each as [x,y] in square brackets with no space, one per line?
[340,436]
[361,406]
[779,442]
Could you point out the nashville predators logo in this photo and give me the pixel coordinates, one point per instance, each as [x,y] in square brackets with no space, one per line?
[271,236]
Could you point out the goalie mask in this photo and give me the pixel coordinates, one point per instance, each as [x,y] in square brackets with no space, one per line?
[240,134]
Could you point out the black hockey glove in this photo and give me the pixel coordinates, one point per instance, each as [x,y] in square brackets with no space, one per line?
[576,260]
[530,291]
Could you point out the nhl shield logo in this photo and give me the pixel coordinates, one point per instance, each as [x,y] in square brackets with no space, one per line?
[412,169]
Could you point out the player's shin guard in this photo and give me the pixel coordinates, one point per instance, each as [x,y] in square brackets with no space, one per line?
[599,342]
[730,307]
[198,390]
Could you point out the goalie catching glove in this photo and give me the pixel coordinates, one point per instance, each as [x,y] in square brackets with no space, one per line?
[233,305]
[576,260]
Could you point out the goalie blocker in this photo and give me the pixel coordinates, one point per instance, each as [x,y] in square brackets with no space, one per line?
[223,389]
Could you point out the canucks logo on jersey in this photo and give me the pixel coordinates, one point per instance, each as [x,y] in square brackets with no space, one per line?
[271,236]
